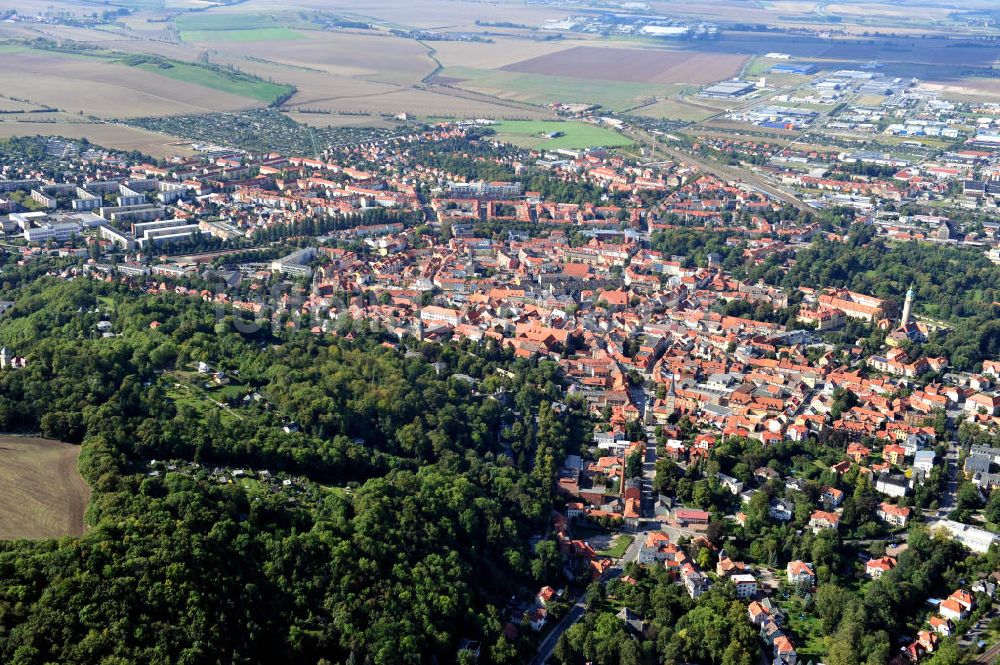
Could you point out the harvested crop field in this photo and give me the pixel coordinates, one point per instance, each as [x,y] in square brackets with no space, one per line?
[972,90]
[99,87]
[41,493]
[107,135]
[372,57]
[504,51]
[15,106]
[675,109]
[633,65]
[333,120]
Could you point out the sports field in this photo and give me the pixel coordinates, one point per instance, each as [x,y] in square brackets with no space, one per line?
[532,134]
[41,493]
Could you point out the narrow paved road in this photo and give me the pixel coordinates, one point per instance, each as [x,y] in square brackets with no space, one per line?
[947,501]
[649,474]
[548,645]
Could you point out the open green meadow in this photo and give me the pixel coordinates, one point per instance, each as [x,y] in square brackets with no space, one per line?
[234,27]
[532,134]
[676,109]
[544,89]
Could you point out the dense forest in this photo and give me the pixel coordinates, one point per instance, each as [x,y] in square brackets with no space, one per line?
[425,489]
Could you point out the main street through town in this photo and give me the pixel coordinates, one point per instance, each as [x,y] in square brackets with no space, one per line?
[650,524]
[579,608]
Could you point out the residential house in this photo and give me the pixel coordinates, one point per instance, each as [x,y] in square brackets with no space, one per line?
[832,497]
[821,519]
[757,613]
[895,515]
[892,485]
[923,461]
[781,510]
[654,548]
[951,609]
[876,567]
[964,598]
[633,622]
[688,516]
[941,625]
[545,596]
[694,580]
[726,567]
[784,651]
[894,453]
[927,640]
[536,618]
[840,468]
[746,585]
[800,572]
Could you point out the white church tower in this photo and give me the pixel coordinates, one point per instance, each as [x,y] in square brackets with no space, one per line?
[907,308]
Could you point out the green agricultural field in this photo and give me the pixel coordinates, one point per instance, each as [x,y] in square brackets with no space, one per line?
[258,90]
[234,27]
[249,35]
[531,134]
[542,89]
[228,21]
